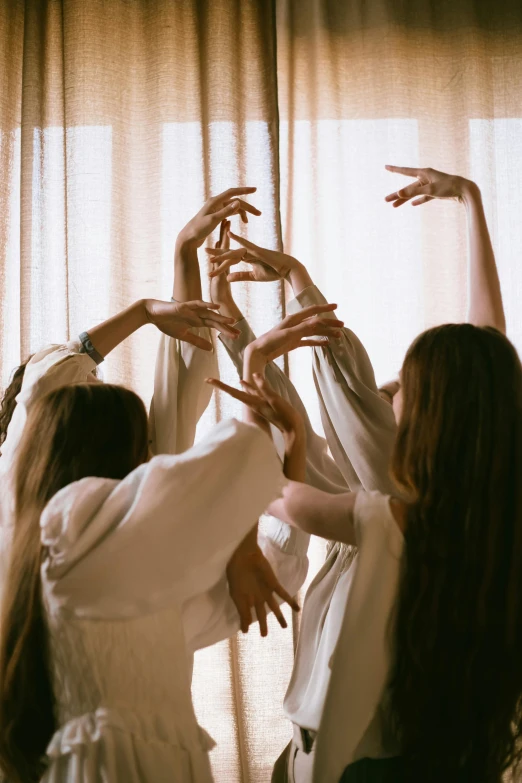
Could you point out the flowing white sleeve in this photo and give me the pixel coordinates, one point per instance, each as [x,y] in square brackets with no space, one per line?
[212,616]
[163,534]
[50,368]
[180,393]
[359,425]
[321,470]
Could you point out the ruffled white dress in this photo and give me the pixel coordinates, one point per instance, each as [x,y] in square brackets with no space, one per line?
[123,657]
[124,560]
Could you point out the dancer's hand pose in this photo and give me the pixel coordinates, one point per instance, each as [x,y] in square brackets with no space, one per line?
[266,265]
[306,328]
[187,283]
[485,299]
[252,582]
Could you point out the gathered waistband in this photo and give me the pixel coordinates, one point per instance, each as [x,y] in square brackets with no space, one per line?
[88,728]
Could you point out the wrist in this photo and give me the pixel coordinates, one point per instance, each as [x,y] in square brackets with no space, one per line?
[143,310]
[469,191]
[299,278]
[185,244]
[295,436]
[248,545]
[253,361]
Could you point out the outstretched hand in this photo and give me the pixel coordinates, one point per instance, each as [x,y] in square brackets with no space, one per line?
[176,319]
[215,210]
[253,585]
[429,184]
[308,327]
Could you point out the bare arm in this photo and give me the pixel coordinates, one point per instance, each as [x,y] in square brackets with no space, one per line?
[316,512]
[485,298]
[187,280]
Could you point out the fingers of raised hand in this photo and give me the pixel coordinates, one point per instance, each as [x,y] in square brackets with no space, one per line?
[317,326]
[242,396]
[245,613]
[224,261]
[307,312]
[226,329]
[271,600]
[197,303]
[243,207]
[407,171]
[227,195]
[246,243]
[205,313]
[224,236]
[421,200]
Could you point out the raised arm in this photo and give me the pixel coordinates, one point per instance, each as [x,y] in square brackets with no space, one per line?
[358,421]
[187,281]
[321,470]
[485,307]
[180,394]
[313,511]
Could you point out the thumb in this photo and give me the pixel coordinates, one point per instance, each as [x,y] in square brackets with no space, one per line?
[241,277]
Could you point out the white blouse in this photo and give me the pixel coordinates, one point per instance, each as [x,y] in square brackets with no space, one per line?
[204,616]
[360,432]
[123,558]
[353,725]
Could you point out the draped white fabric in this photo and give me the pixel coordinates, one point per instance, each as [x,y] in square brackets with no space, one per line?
[118,119]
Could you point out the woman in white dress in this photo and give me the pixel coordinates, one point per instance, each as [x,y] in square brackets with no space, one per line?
[133,564]
[360,430]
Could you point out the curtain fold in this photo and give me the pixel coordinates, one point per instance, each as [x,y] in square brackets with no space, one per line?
[118,119]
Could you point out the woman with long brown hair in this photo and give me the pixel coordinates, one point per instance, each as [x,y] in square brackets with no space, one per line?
[108,548]
[117,571]
[431,642]
[361,432]
[432,636]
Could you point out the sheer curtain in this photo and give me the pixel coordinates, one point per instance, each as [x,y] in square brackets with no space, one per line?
[118,119]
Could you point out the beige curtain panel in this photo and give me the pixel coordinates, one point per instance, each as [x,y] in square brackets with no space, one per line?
[118,118]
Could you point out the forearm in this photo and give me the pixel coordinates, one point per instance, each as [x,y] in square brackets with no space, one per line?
[228,306]
[187,278]
[485,298]
[109,334]
[295,455]
[299,278]
[253,363]
[316,512]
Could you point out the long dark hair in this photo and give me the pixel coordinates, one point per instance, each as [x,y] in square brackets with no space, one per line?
[73,432]
[456,689]
[8,403]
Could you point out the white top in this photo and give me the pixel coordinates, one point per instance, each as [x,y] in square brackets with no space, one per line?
[353,725]
[123,559]
[360,431]
[207,616]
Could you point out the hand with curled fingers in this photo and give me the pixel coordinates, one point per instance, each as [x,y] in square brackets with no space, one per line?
[176,319]
[264,401]
[267,265]
[215,210]
[220,290]
[430,184]
[253,585]
[308,327]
